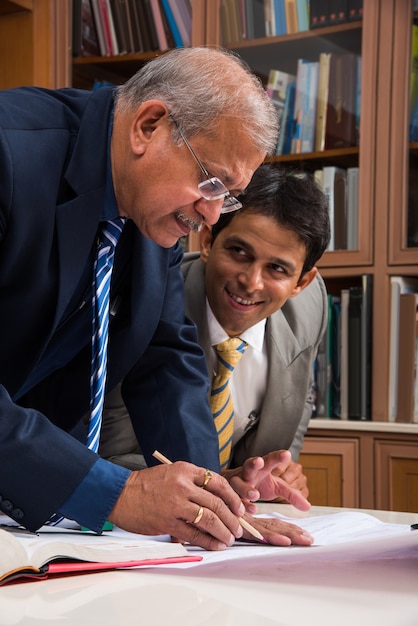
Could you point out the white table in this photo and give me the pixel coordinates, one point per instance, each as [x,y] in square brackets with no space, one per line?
[235,593]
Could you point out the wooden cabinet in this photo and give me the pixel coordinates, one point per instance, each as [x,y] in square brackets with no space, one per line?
[366,465]
[34,43]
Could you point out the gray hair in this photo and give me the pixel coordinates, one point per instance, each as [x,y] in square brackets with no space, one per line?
[199,85]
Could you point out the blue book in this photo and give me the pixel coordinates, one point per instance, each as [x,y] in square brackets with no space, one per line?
[302,9]
[286,131]
[178,42]
[280,17]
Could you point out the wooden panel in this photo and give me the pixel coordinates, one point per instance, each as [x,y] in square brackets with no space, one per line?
[331,466]
[396,476]
[16,50]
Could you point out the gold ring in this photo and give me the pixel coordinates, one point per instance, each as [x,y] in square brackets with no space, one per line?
[198,516]
[208,476]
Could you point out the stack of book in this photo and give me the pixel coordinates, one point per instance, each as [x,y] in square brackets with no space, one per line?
[340,186]
[113,27]
[343,365]
[321,109]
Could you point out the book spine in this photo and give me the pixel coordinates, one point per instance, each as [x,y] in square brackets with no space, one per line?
[407,375]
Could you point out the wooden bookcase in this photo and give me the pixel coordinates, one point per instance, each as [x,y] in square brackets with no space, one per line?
[35,48]
[35,43]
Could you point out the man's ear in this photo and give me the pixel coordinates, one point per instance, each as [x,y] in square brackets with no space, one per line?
[205,240]
[148,118]
[306,280]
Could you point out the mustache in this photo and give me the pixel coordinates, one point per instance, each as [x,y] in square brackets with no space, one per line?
[195,225]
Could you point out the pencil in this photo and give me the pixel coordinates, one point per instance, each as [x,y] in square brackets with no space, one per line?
[253,531]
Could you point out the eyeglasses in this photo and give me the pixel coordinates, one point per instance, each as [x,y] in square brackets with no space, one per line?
[212,188]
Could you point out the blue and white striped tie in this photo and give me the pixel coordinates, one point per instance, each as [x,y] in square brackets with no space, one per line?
[101,295]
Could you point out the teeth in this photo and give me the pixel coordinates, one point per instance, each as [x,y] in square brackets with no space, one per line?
[241,300]
[193,224]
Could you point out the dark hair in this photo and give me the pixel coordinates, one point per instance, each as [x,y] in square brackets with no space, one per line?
[294,200]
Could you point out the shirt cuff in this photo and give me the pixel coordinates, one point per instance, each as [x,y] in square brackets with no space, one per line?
[94,498]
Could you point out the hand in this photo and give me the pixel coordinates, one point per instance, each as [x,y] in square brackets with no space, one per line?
[277,532]
[166,499]
[274,477]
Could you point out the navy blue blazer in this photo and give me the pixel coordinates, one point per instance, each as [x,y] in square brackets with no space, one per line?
[53,152]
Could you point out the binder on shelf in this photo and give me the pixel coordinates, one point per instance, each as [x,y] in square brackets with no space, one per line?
[407,409]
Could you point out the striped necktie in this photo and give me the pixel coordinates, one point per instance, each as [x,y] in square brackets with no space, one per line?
[228,354]
[103,266]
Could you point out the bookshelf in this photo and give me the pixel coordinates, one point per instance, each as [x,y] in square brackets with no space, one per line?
[387,161]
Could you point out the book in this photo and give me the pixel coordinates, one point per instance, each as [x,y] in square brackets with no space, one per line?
[286,131]
[329,173]
[159,25]
[340,127]
[300,95]
[318,13]
[302,7]
[85,42]
[338,12]
[99,24]
[307,142]
[340,209]
[178,42]
[413,84]
[354,10]
[291,17]
[398,285]
[269,18]
[354,353]
[344,343]
[366,346]
[254,15]
[119,12]
[276,88]
[183,18]
[352,207]
[322,100]
[41,555]
[279,17]
[407,407]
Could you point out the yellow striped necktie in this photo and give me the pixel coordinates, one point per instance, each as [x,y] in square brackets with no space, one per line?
[228,354]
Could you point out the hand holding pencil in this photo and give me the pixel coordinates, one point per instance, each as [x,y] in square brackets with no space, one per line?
[246,525]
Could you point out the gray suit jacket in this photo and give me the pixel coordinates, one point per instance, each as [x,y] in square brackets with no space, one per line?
[293,336]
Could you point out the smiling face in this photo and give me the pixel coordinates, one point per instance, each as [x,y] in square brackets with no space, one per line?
[156,180]
[252,268]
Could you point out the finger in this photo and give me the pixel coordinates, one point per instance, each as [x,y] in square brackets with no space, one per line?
[219,486]
[294,496]
[280,533]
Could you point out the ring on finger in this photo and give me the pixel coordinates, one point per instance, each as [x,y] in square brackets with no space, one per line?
[198,516]
[207,477]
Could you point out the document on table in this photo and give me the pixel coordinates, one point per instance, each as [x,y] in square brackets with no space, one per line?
[345,536]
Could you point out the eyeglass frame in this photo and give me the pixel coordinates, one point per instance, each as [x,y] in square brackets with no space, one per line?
[231,203]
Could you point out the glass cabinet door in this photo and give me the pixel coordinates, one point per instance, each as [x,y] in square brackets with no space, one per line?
[403,224]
